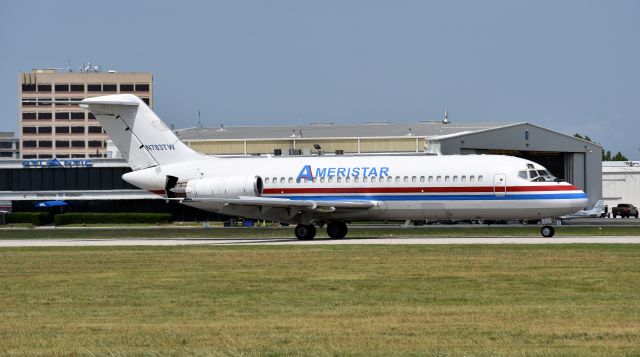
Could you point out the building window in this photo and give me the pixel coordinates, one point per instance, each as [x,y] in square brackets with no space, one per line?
[62,156]
[28,87]
[45,143]
[31,156]
[91,116]
[62,115]
[62,87]
[77,115]
[44,116]
[44,102]
[44,87]
[76,88]
[94,87]
[28,102]
[77,129]
[62,130]
[44,130]
[109,88]
[95,143]
[28,115]
[44,156]
[78,156]
[29,130]
[77,143]
[95,129]
[62,144]
[128,87]
[145,99]
[142,87]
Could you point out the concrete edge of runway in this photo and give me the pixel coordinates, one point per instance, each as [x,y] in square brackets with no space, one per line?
[79,242]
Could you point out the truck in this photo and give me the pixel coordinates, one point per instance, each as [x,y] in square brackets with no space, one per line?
[624,210]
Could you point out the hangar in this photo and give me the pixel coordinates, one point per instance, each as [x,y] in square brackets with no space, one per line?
[575,160]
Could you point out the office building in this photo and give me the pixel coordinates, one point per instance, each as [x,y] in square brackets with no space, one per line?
[49,128]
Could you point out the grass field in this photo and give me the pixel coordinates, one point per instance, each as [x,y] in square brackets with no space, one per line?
[571,300]
[287,232]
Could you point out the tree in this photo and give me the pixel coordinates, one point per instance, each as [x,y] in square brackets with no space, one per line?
[606,155]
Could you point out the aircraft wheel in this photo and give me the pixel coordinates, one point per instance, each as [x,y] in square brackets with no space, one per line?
[337,230]
[305,231]
[547,231]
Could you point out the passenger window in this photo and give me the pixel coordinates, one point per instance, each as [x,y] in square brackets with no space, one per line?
[365,179]
[322,179]
[356,179]
[266,180]
[439,178]
[397,178]
[446,178]
[281,179]
[455,178]
[290,180]
[421,178]
[430,178]
[347,179]
[304,180]
[381,179]
[414,179]
[406,179]
[479,178]
[330,179]
[339,179]
[463,178]
[472,178]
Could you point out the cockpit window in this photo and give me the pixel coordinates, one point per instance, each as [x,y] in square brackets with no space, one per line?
[522,174]
[539,176]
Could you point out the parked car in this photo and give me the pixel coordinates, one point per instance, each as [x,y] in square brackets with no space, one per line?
[624,210]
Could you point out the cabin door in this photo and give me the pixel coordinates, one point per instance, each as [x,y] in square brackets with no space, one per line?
[500,185]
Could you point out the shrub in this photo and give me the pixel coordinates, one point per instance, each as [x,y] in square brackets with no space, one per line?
[35,218]
[111,218]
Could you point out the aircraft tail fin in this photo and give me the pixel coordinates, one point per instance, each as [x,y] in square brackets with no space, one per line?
[142,138]
[599,206]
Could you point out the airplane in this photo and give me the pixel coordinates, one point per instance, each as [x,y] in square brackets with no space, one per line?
[330,190]
[595,212]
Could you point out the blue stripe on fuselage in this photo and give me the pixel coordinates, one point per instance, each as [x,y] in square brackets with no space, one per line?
[555,196]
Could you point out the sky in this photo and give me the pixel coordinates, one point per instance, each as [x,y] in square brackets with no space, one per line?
[570,66]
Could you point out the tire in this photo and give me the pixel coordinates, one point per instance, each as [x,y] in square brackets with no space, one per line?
[337,230]
[636,215]
[305,231]
[547,231]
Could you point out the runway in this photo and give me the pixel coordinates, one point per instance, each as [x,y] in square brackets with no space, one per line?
[8,243]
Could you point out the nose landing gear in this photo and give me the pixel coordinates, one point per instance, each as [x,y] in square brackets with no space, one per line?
[547,231]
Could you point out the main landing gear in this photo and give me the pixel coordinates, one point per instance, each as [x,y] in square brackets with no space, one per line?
[305,231]
[335,230]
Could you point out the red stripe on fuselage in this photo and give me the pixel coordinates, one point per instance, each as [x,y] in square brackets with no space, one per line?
[302,190]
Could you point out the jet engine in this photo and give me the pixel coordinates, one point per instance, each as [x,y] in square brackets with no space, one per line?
[218,187]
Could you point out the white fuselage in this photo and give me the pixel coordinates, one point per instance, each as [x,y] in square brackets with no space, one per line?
[403,187]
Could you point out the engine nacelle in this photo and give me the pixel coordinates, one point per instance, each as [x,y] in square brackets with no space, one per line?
[224,187]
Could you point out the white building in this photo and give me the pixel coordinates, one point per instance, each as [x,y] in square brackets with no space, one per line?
[621,182]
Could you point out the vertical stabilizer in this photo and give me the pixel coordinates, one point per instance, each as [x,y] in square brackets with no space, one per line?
[142,138]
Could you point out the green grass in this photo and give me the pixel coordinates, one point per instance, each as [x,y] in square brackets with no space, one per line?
[287,232]
[571,300]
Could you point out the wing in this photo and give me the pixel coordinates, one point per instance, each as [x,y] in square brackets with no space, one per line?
[278,209]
